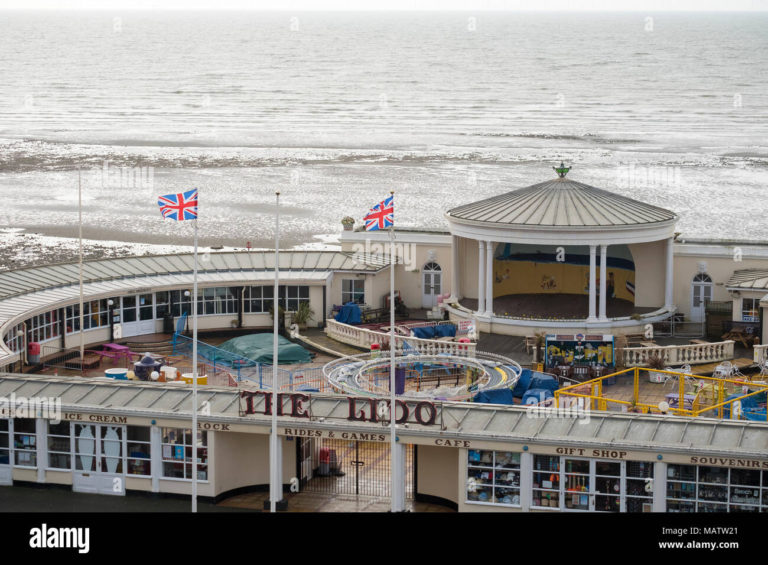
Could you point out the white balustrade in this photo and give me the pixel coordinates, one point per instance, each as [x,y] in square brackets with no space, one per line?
[364,338]
[680,354]
[760,353]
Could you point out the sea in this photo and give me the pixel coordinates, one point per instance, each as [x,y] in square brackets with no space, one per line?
[335,110]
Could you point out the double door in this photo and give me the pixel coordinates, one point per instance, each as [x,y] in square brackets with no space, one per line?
[99,451]
[138,315]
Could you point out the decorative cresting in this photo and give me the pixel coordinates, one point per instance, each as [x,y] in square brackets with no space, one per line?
[562,170]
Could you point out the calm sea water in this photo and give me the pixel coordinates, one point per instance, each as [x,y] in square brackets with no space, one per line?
[335,110]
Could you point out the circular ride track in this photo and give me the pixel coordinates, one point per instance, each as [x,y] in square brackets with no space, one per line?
[436,377]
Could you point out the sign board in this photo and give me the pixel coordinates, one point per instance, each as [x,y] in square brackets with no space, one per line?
[569,349]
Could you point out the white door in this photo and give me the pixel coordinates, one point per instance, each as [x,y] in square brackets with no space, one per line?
[431,284]
[6,475]
[138,315]
[701,294]
[99,459]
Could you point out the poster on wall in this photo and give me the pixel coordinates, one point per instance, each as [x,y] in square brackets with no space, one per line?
[570,349]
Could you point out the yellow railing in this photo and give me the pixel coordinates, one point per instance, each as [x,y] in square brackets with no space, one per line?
[591,392]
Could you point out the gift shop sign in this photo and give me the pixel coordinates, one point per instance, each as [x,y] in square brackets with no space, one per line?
[360,409]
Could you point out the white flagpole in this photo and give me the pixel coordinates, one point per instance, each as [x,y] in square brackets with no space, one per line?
[194,378]
[275,480]
[392,407]
[80,238]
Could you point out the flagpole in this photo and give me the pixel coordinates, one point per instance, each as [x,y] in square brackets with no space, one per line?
[80,266]
[275,480]
[392,408]
[194,377]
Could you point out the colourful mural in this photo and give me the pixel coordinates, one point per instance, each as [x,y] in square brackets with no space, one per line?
[570,349]
[559,270]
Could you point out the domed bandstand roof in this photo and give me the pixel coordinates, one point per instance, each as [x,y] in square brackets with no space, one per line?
[561,202]
[560,208]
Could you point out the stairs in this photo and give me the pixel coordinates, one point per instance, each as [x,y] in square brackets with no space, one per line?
[156,347]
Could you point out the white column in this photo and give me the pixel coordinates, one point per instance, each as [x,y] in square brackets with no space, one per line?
[489,278]
[156,456]
[603,279]
[592,290]
[41,431]
[668,289]
[480,277]
[455,293]
[399,460]
[659,487]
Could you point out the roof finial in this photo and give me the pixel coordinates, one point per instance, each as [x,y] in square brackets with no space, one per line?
[562,170]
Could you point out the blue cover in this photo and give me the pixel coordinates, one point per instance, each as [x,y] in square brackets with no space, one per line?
[426,332]
[445,330]
[500,396]
[522,384]
[543,380]
[349,314]
[536,395]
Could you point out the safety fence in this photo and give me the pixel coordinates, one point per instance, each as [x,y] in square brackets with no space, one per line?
[737,397]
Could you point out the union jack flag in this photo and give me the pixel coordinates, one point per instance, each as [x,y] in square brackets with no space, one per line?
[381,216]
[179,207]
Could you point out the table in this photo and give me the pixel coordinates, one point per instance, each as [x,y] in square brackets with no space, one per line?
[115,351]
[673,397]
[737,335]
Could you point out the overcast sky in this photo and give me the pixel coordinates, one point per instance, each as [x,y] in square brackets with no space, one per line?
[354,5]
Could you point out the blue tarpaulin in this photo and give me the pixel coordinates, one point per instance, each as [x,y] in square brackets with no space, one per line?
[500,396]
[432,332]
[349,314]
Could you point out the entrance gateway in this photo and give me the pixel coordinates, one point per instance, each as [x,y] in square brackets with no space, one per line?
[138,315]
[99,451]
[339,466]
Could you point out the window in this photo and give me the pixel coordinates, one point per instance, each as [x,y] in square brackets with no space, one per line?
[546,481]
[290,297]
[258,299]
[181,304]
[59,446]
[14,339]
[218,300]
[95,315]
[750,309]
[353,290]
[24,442]
[177,454]
[43,327]
[162,304]
[493,477]
[139,451]
[692,488]
[638,475]
[5,449]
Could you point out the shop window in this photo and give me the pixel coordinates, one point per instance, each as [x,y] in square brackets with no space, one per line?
[5,450]
[576,481]
[750,309]
[715,489]
[353,290]
[138,459]
[95,315]
[43,327]
[546,481]
[59,446]
[177,454]
[639,475]
[607,486]
[24,442]
[493,477]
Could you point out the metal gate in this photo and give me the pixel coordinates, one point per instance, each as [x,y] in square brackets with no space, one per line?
[351,467]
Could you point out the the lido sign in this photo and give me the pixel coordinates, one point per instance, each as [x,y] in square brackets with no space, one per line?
[360,409]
